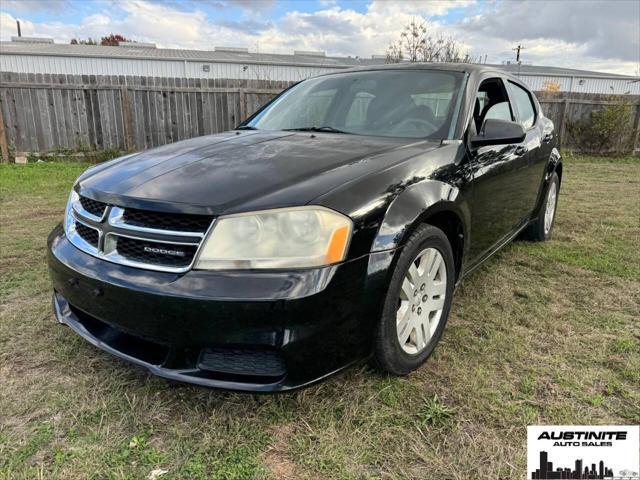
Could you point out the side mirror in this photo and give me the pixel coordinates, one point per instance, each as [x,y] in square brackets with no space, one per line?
[498,132]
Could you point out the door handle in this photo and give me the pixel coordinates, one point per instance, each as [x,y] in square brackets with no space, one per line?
[521,150]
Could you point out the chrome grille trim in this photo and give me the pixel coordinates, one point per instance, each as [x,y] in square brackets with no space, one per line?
[78,208]
[111,226]
[75,238]
[84,230]
[116,219]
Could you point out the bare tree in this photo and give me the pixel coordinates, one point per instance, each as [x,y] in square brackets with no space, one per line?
[417,43]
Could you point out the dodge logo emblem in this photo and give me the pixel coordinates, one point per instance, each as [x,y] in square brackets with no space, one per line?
[162,251]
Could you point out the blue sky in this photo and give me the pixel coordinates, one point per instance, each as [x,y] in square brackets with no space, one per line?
[587,34]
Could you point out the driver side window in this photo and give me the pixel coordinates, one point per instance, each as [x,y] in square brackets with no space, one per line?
[492,101]
[499,111]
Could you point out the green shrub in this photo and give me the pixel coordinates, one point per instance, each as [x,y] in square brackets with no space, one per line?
[607,130]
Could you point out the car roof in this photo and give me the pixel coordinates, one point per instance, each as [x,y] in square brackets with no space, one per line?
[470,68]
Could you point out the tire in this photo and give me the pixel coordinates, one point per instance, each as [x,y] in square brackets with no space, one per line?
[540,230]
[392,353]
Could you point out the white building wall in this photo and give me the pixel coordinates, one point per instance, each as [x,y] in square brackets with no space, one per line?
[583,84]
[76,65]
[154,68]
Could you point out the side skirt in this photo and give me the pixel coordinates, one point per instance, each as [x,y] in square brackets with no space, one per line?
[497,248]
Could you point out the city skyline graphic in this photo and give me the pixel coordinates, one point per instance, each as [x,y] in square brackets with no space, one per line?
[581,471]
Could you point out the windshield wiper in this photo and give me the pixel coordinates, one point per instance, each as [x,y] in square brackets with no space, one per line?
[246,127]
[316,129]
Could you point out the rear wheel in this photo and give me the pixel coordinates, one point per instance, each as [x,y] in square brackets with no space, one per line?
[541,229]
[417,304]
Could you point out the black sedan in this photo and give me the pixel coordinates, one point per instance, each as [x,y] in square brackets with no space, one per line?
[330,227]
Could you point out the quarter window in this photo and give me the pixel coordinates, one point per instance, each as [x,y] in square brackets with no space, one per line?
[526,110]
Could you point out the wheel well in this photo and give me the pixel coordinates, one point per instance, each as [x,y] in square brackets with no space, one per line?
[451,225]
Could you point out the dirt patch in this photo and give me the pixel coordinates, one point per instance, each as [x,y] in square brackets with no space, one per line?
[275,458]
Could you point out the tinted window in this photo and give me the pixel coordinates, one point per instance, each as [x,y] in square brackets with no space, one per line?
[396,103]
[357,114]
[526,111]
[499,111]
[492,102]
[310,110]
[439,103]
[483,100]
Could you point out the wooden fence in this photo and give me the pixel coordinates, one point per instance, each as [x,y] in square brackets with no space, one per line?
[565,109]
[42,112]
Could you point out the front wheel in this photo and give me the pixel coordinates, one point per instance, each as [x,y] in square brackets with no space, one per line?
[541,229]
[417,304]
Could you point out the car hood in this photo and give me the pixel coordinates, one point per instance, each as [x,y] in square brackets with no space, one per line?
[239,171]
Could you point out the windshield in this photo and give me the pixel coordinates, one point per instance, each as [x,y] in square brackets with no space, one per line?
[396,103]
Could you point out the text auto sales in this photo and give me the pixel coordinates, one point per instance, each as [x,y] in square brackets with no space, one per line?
[583,439]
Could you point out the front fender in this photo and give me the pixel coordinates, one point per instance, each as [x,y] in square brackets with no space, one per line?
[415,204]
[406,211]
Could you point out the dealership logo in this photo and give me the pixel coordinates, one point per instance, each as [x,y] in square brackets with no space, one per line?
[583,452]
[162,251]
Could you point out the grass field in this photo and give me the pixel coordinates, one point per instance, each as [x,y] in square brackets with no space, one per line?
[542,334]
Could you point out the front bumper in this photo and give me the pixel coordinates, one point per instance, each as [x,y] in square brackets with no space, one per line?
[253,331]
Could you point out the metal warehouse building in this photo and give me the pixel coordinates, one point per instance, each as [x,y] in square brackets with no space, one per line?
[42,56]
[147,61]
[576,81]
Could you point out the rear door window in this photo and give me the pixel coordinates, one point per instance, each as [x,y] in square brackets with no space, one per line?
[524,104]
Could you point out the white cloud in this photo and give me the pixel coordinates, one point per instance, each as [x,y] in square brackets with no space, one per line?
[608,29]
[8,27]
[341,31]
[550,31]
[55,6]
[423,8]
[174,27]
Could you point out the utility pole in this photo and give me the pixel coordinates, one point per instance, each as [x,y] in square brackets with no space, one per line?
[19,31]
[517,50]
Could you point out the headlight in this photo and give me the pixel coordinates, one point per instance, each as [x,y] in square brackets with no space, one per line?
[69,222]
[283,238]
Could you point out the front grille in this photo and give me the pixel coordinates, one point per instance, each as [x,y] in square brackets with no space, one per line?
[155,253]
[139,238]
[166,221]
[93,206]
[88,234]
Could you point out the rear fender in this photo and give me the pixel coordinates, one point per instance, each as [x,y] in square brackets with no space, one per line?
[555,159]
[554,165]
